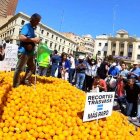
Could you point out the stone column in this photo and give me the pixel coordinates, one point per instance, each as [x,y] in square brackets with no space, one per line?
[109,48]
[134,52]
[117,48]
[125,52]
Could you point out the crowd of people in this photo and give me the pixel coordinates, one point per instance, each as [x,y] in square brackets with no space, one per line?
[88,74]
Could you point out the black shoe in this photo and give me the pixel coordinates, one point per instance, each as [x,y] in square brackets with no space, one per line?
[27,83]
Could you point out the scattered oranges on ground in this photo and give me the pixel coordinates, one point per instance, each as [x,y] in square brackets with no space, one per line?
[52,110]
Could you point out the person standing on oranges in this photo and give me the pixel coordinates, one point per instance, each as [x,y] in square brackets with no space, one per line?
[26,51]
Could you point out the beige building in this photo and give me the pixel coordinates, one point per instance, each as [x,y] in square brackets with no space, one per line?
[7,10]
[121,45]
[55,40]
[85,43]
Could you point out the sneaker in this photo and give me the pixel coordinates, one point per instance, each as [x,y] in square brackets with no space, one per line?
[134,118]
[27,83]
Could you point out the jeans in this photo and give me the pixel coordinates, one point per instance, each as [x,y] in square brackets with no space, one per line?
[22,61]
[122,101]
[80,77]
[42,71]
[71,75]
[129,107]
[53,70]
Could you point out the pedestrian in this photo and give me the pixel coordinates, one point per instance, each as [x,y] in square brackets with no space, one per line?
[135,71]
[55,59]
[2,52]
[91,72]
[72,68]
[132,92]
[26,51]
[43,59]
[113,71]
[80,72]
[64,67]
[103,69]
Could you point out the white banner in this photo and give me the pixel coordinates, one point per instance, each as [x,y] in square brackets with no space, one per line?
[10,58]
[98,105]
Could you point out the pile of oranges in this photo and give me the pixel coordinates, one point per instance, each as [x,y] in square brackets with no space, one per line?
[52,110]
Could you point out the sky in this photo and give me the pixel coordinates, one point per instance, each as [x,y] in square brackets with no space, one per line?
[82,17]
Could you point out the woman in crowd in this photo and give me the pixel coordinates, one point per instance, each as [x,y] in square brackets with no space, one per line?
[91,72]
[2,53]
[64,67]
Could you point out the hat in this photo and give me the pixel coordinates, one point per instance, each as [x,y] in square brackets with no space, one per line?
[35,16]
[135,63]
[81,57]
[114,64]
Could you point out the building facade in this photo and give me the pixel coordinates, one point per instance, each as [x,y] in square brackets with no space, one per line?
[85,43]
[55,40]
[121,45]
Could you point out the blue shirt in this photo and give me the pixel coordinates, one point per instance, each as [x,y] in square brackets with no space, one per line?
[28,31]
[136,73]
[124,73]
[55,59]
[114,71]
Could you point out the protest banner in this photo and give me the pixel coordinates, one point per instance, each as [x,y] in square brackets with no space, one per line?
[10,58]
[98,105]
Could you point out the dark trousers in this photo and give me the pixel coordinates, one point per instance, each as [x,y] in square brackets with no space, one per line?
[71,75]
[88,82]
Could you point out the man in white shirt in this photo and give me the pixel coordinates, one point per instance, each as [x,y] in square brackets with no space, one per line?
[72,68]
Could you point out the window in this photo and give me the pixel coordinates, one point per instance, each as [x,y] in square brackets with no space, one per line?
[114,44]
[52,36]
[63,49]
[64,41]
[130,46]
[56,38]
[138,56]
[55,46]
[139,47]
[99,53]
[22,22]
[47,34]
[13,30]
[106,44]
[59,47]
[100,44]
[129,54]
[113,53]
[51,45]
[105,53]
[46,41]
[60,40]
[122,45]
[121,53]
[122,36]
[42,31]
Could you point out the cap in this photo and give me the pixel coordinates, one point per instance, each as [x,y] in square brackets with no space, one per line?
[81,57]
[35,16]
[135,63]
[114,64]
